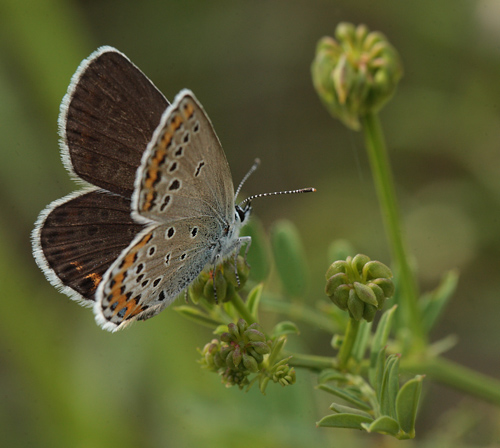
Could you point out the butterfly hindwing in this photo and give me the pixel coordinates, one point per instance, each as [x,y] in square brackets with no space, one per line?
[160,262]
[78,237]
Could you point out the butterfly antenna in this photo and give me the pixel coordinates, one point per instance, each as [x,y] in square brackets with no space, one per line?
[255,165]
[261,195]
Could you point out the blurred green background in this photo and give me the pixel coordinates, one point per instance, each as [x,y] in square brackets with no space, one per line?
[64,382]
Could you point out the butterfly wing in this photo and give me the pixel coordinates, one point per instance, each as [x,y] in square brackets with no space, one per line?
[184,172]
[106,122]
[107,119]
[151,273]
[184,193]
[77,238]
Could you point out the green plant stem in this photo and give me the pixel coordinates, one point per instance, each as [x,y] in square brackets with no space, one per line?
[452,374]
[311,362]
[384,185]
[297,311]
[242,309]
[348,342]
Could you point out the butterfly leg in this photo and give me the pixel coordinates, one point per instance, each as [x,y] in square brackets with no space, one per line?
[242,240]
[214,275]
[248,241]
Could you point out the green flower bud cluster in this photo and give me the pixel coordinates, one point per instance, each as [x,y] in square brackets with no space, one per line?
[238,354]
[221,283]
[285,375]
[356,73]
[359,285]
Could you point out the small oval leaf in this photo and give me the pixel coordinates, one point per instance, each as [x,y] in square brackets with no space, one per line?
[285,327]
[381,334]
[345,396]
[253,300]
[352,421]
[330,375]
[383,425]
[348,410]
[407,404]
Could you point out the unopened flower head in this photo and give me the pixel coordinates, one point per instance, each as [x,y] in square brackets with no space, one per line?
[359,285]
[355,73]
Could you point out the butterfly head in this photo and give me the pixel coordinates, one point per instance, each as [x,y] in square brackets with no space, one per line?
[242,213]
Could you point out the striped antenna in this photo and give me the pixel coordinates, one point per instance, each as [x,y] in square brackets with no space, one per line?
[261,195]
[275,193]
[255,165]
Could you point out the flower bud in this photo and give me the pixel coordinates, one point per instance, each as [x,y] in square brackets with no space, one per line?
[356,307]
[233,331]
[254,335]
[235,378]
[359,285]
[236,356]
[250,363]
[261,348]
[209,355]
[365,293]
[226,281]
[285,375]
[242,271]
[356,73]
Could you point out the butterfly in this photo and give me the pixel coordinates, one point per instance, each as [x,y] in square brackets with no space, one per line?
[158,203]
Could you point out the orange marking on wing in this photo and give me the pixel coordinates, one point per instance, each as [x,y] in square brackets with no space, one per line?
[133,309]
[77,265]
[176,123]
[188,110]
[96,279]
[154,167]
[158,158]
[129,260]
[166,139]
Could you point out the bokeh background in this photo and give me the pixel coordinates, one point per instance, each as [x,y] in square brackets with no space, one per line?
[64,382]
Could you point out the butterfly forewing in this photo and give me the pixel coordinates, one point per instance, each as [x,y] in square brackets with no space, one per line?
[107,119]
[184,173]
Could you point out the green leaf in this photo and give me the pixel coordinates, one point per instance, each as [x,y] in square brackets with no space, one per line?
[381,334]
[390,386]
[276,348]
[346,396]
[359,348]
[433,304]
[198,316]
[352,421]
[221,329]
[285,327]
[407,404]
[289,258]
[259,255]
[330,375]
[263,381]
[383,425]
[253,300]
[376,373]
[348,410]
